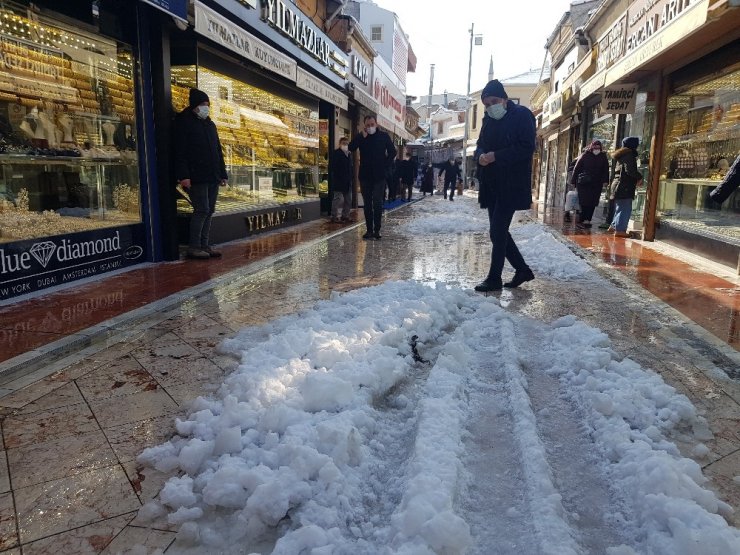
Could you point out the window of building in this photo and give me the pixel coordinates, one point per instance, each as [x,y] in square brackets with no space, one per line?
[376,33]
[440,128]
[475,116]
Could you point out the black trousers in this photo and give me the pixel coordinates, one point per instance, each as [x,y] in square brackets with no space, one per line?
[504,247]
[451,187]
[587,213]
[372,198]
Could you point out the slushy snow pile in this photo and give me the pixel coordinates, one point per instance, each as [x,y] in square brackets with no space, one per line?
[342,432]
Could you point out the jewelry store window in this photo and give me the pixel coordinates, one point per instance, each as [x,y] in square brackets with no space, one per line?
[270,143]
[702,140]
[67,129]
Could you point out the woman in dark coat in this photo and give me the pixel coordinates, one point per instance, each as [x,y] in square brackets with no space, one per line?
[627,178]
[590,175]
[427,184]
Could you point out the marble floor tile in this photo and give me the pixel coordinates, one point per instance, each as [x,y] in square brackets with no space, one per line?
[128,440]
[44,425]
[186,393]
[67,394]
[169,372]
[123,376]
[147,481]
[132,408]
[50,460]
[22,397]
[8,533]
[87,540]
[131,536]
[62,505]
[723,475]
[4,478]
[14,551]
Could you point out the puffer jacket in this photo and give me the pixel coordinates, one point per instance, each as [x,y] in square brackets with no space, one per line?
[626,175]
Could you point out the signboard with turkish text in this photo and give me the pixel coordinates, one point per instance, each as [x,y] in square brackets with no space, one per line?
[619,99]
[35,264]
[390,98]
[222,31]
[318,88]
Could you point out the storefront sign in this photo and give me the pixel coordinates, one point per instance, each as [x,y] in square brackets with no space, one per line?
[653,28]
[222,31]
[611,45]
[360,69]
[305,127]
[591,86]
[275,218]
[365,99]
[555,105]
[308,82]
[619,99]
[28,266]
[176,8]
[390,98]
[292,23]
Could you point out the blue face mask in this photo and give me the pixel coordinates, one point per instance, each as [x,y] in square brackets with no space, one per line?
[496,111]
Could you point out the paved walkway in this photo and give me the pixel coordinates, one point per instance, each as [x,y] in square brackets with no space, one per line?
[71,429]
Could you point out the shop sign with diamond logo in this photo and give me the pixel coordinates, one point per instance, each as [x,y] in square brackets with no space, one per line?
[43,252]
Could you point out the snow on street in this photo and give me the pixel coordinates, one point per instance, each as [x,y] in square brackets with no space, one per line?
[415,418]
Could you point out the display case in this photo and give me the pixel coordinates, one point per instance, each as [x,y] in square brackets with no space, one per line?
[68,158]
[270,143]
[702,141]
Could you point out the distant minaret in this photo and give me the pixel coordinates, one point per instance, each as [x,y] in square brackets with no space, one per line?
[490,69]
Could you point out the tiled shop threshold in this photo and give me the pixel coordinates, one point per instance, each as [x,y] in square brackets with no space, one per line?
[44,327]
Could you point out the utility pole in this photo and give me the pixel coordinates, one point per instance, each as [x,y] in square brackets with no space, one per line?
[467,107]
[431,86]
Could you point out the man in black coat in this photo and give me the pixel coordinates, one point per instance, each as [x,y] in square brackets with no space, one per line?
[452,173]
[377,152]
[405,174]
[342,175]
[504,154]
[199,169]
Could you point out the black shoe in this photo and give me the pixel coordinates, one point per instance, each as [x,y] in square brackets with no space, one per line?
[489,284]
[368,235]
[377,236]
[452,198]
[520,276]
[445,197]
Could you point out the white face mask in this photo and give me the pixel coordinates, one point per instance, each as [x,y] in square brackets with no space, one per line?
[371,130]
[202,111]
[496,111]
[345,148]
[596,151]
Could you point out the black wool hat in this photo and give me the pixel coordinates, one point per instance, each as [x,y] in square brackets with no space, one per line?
[197,97]
[494,88]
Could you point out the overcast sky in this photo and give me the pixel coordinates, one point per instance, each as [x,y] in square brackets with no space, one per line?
[513,32]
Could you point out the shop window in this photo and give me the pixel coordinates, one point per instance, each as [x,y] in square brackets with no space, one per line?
[275,149]
[440,128]
[68,158]
[376,33]
[702,140]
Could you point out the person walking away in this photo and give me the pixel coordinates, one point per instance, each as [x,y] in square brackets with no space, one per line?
[452,172]
[427,183]
[199,169]
[377,152]
[392,180]
[341,173]
[406,170]
[590,175]
[504,154]
[624,184]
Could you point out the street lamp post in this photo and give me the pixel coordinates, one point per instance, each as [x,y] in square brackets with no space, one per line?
[478,41]
[429,111]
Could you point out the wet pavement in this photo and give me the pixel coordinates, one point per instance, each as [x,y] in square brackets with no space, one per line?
[72,427]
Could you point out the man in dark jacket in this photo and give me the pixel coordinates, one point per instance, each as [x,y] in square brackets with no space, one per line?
[341,174]
[504,154]
[377,152]
[405,174]
[452,173]
[199,169]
